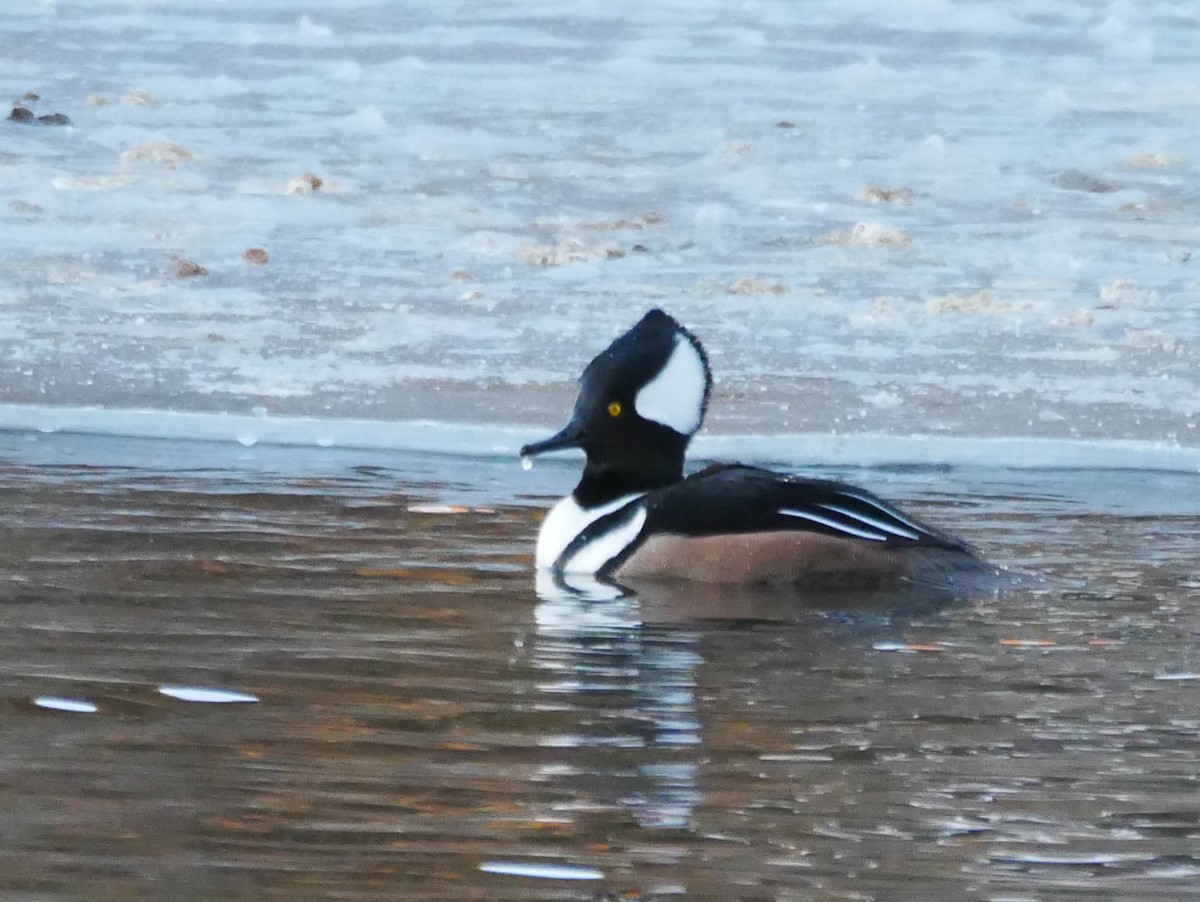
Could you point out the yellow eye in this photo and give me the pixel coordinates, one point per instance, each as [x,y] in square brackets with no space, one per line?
[614,409]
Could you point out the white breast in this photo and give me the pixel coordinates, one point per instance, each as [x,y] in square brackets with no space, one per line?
[568,519]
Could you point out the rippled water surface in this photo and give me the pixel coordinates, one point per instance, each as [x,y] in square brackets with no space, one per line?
[366,698]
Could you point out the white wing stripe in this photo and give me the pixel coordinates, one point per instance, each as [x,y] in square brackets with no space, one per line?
[902,531]
[834,524]
[886,510]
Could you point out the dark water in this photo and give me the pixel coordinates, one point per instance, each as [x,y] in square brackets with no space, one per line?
[428,728]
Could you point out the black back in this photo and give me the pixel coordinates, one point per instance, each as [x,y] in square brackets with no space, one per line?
[728,499]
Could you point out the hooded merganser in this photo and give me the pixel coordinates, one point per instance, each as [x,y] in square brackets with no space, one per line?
[634,516]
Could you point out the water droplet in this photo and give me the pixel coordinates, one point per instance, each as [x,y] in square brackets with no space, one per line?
[526,462]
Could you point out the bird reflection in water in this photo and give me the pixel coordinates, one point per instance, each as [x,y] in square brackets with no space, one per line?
[627,661]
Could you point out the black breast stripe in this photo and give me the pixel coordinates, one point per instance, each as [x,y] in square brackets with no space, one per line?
[598,528]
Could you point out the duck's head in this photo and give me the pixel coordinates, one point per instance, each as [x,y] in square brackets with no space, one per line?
[640,402]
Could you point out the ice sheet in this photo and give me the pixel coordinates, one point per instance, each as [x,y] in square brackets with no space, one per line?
[927,219]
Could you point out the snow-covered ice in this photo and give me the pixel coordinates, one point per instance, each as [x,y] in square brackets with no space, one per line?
[924,218]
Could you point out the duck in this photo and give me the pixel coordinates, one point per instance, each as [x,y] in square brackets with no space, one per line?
[635,517]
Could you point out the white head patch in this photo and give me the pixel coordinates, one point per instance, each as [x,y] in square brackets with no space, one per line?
[675,397]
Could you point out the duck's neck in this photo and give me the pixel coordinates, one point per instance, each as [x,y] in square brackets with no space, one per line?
[603,483]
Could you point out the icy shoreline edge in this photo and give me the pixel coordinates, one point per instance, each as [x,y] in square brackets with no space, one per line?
[866,450]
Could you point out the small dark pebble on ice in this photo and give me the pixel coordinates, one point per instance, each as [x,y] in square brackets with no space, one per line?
[21,114]
[187,269]
[1074,180]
